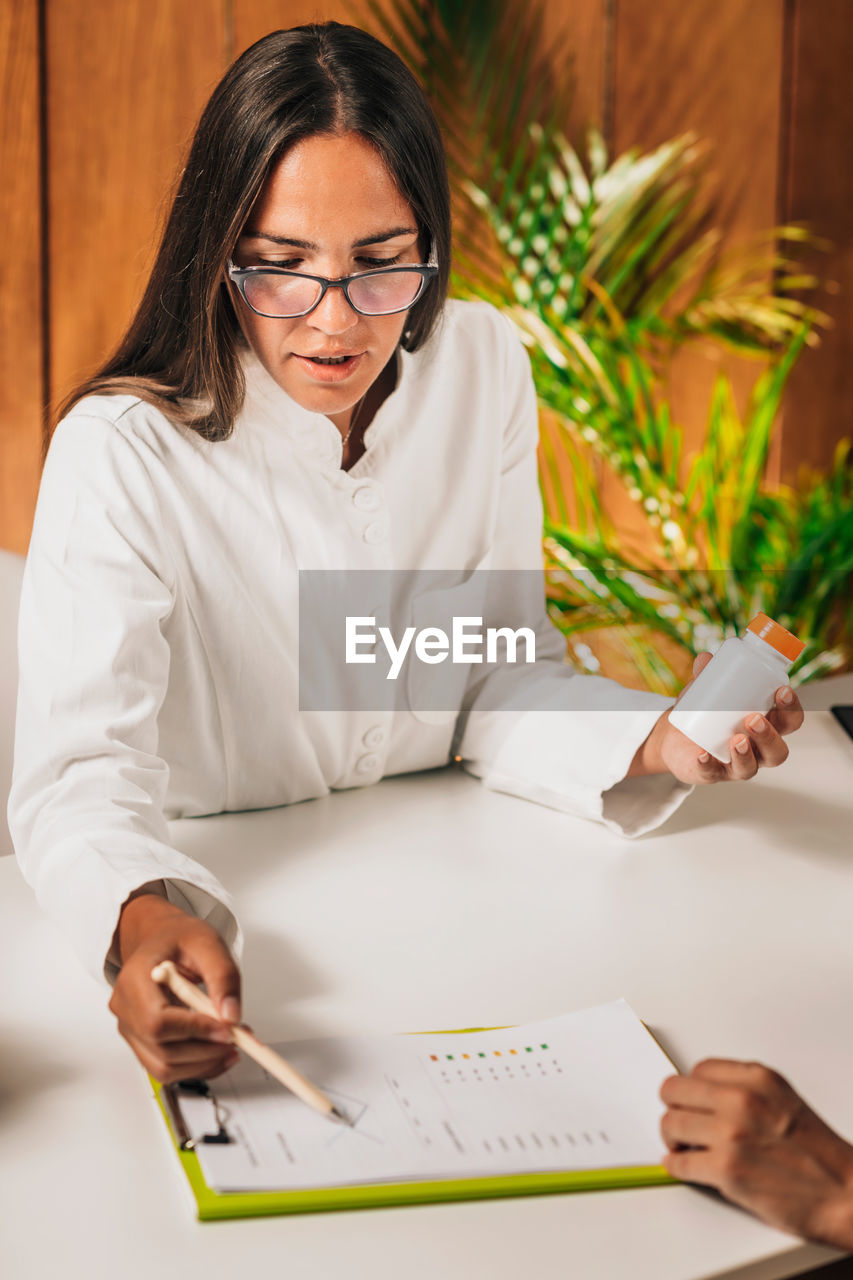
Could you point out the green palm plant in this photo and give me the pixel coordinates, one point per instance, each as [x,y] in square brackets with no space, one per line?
[607,270]
[723,548]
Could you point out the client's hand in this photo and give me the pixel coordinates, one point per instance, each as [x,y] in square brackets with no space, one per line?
[667,750]
[741,1128]
[171,1041]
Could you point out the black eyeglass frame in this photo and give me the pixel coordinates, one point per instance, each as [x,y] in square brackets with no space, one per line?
[240,275]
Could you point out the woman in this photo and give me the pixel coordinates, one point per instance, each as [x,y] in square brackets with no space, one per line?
[274,409]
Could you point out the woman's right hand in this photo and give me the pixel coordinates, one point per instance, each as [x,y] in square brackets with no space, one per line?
[171,1041]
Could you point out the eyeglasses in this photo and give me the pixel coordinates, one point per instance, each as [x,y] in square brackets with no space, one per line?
[280,294]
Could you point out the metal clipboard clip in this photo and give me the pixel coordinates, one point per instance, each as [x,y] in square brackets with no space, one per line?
[198,1089]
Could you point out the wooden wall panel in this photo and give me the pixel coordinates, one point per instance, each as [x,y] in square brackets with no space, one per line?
[126,80]
[817,188]
[714,66]
[255,18]
[584,25]
[21,338]
[583,21]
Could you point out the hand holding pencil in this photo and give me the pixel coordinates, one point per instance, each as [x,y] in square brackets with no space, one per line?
[201,1040]
[278,1067]
[171,1041]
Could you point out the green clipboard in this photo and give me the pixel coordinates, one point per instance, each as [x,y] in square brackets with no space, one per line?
[251,1204]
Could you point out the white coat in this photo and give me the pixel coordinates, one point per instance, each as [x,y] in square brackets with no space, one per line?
[158,629]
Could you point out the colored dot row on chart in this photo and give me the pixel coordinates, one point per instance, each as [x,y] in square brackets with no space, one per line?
[497,1053]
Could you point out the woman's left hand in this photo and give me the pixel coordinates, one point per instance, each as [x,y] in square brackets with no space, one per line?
[759,742]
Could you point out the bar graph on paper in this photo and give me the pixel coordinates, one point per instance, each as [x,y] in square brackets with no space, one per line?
[574,1092]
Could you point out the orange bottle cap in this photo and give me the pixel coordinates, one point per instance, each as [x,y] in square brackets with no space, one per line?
[780,639]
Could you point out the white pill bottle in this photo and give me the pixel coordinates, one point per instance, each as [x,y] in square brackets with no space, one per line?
[742,677]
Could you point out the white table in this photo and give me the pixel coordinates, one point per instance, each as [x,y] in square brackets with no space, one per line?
[428,902]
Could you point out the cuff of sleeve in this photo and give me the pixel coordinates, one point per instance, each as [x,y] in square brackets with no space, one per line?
[577,760]
[637,805]
[196,902]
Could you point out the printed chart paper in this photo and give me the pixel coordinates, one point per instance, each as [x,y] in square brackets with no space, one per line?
[579,1091]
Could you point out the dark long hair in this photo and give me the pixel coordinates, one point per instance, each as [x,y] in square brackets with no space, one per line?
[181,351]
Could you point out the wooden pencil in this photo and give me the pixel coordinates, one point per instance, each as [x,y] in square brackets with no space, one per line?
[166,974]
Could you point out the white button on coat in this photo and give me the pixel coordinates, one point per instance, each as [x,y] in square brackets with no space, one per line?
[366,499]
[366,764]
[375,533]
[374,737]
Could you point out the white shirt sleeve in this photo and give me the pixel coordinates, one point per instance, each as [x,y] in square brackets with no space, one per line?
[86,805]
[552,735]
